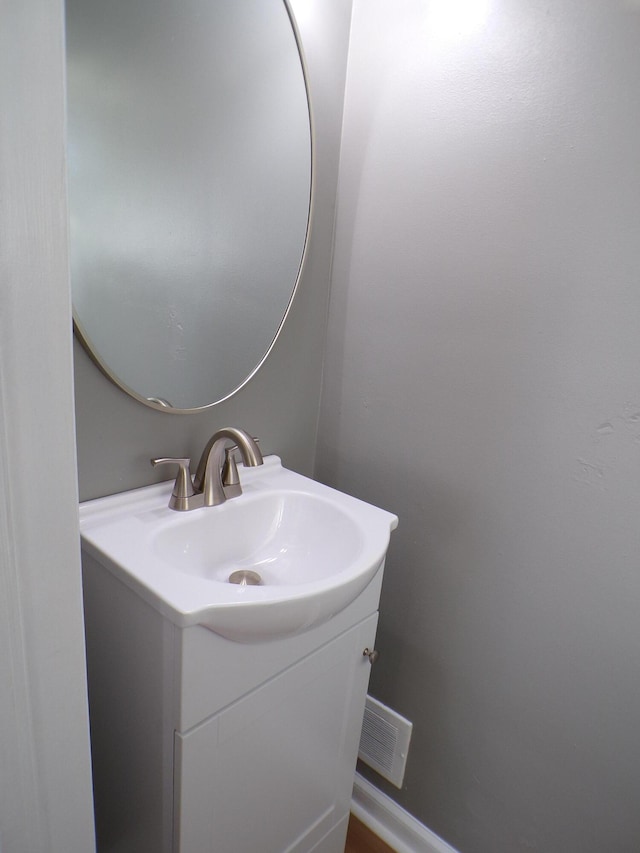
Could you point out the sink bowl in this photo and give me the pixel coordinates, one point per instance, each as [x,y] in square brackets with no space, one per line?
[301,550]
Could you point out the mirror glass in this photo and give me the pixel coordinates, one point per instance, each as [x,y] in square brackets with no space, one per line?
[189,147]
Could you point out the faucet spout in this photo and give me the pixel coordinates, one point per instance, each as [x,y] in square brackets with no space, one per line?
[208,478]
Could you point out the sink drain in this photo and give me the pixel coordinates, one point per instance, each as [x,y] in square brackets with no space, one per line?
[244,577]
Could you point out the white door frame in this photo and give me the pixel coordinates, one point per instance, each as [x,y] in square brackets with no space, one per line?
[45,782]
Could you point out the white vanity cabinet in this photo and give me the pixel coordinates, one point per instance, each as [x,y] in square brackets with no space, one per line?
[205,745]
[274,770]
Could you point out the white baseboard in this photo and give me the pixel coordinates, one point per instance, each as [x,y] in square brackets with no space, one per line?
[395,826]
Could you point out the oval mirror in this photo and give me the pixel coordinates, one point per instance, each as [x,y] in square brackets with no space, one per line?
[189,141]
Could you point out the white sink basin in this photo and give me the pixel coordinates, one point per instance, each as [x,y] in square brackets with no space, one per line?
[313,548]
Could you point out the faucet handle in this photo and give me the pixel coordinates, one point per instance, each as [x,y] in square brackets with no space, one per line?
[183,486]
[231,449]
[230,476]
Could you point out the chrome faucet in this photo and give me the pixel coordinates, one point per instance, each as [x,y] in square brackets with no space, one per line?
[208,486]
[208,478]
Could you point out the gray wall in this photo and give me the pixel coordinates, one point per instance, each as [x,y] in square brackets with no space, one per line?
[117,435]
[482,381]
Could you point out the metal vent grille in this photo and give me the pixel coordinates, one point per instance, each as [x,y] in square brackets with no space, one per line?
[384,742]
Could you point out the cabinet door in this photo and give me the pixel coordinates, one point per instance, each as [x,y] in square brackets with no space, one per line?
[274,771]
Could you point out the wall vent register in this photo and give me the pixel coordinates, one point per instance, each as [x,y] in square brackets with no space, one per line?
[384,742]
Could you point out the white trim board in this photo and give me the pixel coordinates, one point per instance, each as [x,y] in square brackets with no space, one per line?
[45,766]
[390,822]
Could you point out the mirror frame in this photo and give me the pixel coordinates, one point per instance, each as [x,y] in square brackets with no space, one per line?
[157,403]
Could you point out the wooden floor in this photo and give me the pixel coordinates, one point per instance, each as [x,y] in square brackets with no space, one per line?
[360,839]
